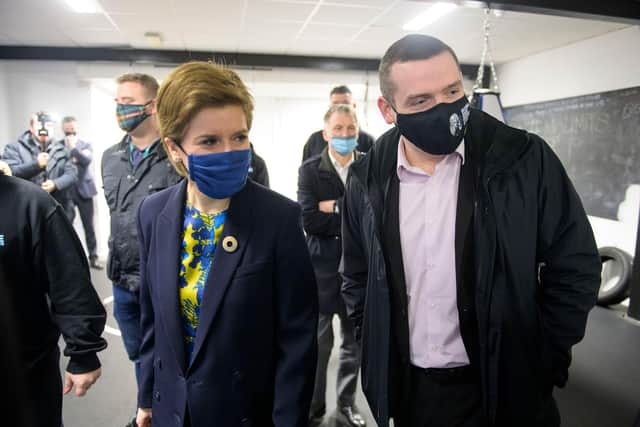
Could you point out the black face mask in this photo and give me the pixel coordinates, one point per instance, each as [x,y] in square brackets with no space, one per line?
[439,130]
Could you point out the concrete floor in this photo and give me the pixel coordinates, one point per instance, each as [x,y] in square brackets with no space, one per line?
[111,401]
[604,379]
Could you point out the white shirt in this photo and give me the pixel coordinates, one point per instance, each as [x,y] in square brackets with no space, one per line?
[343,171]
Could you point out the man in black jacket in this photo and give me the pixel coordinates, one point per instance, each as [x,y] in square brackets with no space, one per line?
[469,264]
[258,170]
[316,143]
[45,288]
[321,182]
[132,169]
[83,192]
[36,156]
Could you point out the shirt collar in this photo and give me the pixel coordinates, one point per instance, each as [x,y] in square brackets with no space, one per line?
[336,164]
[404,167]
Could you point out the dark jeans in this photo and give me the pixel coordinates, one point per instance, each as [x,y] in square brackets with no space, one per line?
[437,403]
[85,206]
[349,362]
[126,309]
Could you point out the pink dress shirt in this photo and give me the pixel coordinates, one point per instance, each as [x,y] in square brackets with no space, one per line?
[427,214]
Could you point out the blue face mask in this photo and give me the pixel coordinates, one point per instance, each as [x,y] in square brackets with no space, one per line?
[220,175]
[344,146]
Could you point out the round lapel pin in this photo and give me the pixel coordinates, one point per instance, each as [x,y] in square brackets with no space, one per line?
[230,244]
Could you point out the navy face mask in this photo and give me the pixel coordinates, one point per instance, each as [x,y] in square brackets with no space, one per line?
[220,175]
[438,130]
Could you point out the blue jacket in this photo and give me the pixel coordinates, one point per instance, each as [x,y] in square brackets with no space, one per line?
[82,156]
[254,358]
[21,156]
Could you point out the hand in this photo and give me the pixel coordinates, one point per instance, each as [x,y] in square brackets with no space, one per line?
[326,206]
[143,417]
[49,186]
[43,159]
[82,382]
[5,168]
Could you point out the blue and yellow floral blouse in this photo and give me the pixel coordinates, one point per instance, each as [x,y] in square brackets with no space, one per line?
[200,235]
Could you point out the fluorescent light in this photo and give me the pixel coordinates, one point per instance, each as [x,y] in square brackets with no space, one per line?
[428,16]
[84,6]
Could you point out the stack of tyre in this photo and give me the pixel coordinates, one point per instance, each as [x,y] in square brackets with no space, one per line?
[616,276]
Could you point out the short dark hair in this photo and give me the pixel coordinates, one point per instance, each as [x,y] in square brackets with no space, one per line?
[68,119]
[412,47]
[341,109]
[340,90]
[145,80]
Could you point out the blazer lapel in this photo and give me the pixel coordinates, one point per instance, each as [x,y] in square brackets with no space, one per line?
[237,225]
[169,243]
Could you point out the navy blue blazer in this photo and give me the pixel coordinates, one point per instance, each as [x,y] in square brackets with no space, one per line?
[255,351]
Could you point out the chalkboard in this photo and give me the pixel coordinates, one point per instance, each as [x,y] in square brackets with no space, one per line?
[597,138]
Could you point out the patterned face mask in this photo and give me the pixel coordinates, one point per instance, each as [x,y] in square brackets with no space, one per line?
[131,115]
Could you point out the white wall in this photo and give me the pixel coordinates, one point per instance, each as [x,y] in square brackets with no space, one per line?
[40,85]
[600,64]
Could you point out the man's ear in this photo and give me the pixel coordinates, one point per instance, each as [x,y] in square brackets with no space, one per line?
[386,110]
[325,135]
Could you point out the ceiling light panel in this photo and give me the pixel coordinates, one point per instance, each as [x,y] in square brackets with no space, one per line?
[84,6]
[429,16]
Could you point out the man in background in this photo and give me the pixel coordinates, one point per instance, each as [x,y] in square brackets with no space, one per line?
[84,190]
[131,170]
[37,157]
[258,170]
[321,183]
[45,291]
[316,143]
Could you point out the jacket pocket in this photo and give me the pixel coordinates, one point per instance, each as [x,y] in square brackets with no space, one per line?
[113,265]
